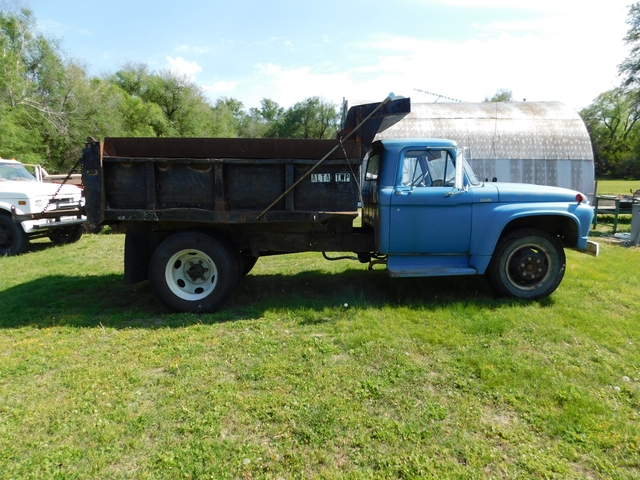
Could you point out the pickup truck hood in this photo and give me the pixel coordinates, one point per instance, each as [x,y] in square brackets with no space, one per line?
[35,189]
[528,193]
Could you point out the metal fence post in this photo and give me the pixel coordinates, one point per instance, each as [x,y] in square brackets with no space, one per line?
[635,225]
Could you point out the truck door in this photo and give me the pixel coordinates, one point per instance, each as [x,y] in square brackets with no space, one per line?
[426,214]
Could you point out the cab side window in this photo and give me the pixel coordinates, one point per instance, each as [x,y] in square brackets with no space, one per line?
[414,170]
[373,167]
[428,168]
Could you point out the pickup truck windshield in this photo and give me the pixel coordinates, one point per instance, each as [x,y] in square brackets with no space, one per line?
[11,172]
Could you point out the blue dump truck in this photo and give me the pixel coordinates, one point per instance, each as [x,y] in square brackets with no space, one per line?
[199,212]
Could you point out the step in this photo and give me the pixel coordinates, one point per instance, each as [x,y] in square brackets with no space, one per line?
[429,265]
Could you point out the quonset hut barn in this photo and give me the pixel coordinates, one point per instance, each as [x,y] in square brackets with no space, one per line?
[525,142]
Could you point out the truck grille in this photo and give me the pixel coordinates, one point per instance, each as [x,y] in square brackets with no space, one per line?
[63,203]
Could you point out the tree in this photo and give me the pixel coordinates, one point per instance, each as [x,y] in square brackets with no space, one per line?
[230,119]
[38,96]
[49,105]
[501,95]
[629,69]
[162,104]
[612,122]
[264,121]
[32,75]
[612,119]
[311,118]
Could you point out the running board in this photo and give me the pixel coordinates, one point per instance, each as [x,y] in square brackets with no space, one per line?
[429,266]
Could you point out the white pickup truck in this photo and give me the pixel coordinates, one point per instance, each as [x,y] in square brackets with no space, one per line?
[33,209]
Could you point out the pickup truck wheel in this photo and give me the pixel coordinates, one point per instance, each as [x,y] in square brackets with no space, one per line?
[62,236]
[527,263]
[194,272]
[13,239]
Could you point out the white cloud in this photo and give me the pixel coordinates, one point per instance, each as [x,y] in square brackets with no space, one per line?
[183,67]
[568,51]
[570,58]
[269,69]
[475,69]
[199,50]
[221,87]
[290,85]
[51,27]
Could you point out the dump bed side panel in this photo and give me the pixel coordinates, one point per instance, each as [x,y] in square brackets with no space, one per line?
[220,180]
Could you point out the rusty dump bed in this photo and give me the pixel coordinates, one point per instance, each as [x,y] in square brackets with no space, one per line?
[218,180]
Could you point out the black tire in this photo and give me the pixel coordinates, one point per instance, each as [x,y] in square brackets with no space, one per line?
[527,263]
[62,236]
[194,272]
[248,262]
[13,239]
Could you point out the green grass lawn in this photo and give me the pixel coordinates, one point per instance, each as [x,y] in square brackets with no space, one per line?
[617,187]
[316,369]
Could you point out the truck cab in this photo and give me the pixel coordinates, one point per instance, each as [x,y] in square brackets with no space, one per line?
[433,217]
[32,209]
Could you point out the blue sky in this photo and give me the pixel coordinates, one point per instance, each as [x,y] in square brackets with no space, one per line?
[565,50]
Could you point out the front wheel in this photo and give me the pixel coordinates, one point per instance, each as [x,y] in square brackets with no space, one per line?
[194,272]
[527,263]
[13,239]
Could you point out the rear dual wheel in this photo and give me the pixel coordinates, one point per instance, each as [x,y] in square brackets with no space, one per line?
[194,272]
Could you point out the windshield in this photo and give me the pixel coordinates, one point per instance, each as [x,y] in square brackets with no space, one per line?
[15,172]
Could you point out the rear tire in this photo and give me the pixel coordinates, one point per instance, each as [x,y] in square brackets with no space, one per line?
[62,236]
[527,263]
[194,272]
[13,239]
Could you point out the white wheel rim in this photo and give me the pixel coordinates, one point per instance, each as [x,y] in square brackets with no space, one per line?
[191,275]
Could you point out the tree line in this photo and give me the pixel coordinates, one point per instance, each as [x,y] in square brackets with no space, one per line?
[612,118]
[50,105]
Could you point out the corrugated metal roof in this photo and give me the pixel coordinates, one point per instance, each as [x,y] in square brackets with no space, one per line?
[518,130]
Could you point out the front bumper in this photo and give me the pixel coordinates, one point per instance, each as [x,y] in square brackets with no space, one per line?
[592,248]
[50,220]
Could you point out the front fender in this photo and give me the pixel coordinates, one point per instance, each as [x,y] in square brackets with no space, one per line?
[491,221]
[6,207]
